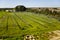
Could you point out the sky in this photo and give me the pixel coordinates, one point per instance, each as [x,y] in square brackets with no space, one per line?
[29,3]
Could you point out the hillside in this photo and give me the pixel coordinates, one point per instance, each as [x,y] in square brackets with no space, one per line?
[16,25]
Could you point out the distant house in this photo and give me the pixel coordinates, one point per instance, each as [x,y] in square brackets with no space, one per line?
[7,9]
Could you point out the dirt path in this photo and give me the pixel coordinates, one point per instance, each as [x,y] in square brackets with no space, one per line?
[55,35]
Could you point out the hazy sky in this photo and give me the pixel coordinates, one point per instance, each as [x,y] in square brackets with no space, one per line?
[30,3]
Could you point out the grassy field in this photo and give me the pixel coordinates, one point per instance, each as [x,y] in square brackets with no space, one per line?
[16,25]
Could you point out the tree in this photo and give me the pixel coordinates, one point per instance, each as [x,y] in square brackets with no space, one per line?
[20,8]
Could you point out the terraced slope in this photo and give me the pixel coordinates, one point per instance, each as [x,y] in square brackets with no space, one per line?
[16,25]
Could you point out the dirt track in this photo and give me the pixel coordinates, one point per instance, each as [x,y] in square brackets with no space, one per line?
[54,37]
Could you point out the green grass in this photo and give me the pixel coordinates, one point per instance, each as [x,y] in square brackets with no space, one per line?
[18,24]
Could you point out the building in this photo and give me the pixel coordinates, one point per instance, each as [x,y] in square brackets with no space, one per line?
[7,9]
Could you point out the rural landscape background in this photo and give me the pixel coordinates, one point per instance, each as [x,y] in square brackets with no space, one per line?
[32,22]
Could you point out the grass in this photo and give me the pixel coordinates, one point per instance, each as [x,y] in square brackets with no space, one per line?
[15,25]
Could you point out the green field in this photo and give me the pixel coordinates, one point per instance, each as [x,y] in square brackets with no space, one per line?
[16,25]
